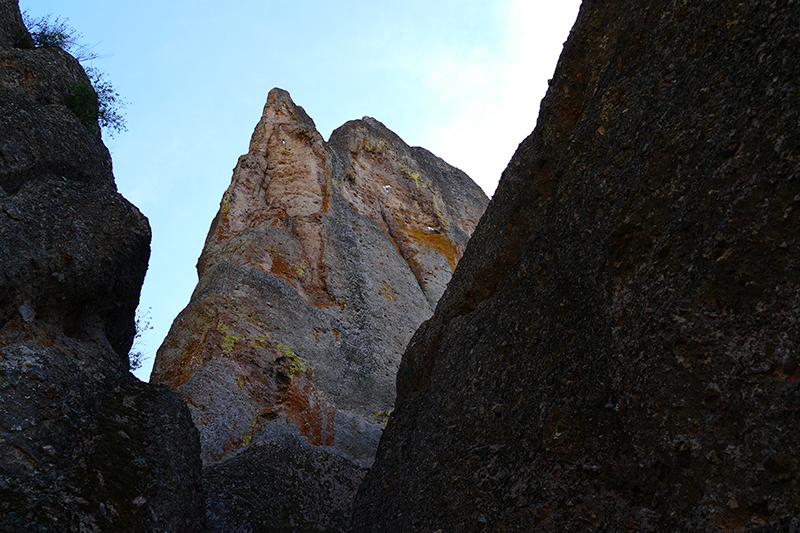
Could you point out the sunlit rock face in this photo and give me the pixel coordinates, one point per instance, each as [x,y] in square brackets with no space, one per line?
[322,261]
[84,446]
[617,350]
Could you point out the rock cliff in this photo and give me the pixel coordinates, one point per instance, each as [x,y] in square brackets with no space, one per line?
[618,348]
[321,263]
[84,446]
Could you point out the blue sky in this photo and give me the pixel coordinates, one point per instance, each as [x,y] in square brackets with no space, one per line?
[463,78]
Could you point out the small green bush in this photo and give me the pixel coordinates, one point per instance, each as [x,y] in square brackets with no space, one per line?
[109,102]
[95,104]
[82,100]
[57,34]
[48,34]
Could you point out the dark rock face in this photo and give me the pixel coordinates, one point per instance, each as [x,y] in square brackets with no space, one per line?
[43,119]
[617,350]
[84,446]
[323,260]
[289,486]
[12,29]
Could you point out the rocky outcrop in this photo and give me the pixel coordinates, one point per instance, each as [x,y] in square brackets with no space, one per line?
[282,485]
[617,350]
[84,446]
[323,260]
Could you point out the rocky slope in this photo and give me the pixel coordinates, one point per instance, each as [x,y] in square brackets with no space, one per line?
[322,261]
[617,350]
[84,446]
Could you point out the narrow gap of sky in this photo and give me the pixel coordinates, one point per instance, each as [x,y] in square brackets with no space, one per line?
[463,78]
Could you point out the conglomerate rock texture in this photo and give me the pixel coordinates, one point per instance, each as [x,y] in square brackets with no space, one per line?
[84,446]
[321,263]
[618,348]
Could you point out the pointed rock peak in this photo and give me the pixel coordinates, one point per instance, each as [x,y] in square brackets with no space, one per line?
[323,260]
[366,128]
[282,113]
[280,104]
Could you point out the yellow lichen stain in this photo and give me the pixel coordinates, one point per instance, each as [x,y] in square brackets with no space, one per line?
[300,269]
[382,417]
[224,229]
[303,403]
[193,354]
[439,213]
[203,320]
[436,242]
[377,147]
[285,269]
[388,293]
[238,440]
[418,181]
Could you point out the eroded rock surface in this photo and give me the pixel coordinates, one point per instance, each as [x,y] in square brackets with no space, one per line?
[84,446]
[323,260]
[617,350]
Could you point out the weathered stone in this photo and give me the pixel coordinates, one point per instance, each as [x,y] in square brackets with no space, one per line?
[43,120]
[84,446]
[12,29]
[323,260]
[287,484]
[616,350]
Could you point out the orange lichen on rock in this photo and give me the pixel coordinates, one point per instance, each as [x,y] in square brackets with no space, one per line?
[283,268]
[223,229]
[436,242]
[310,411]
[191,357]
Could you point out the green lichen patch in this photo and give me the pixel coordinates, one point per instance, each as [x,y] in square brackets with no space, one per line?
[418,181]
[297,364]
[230,337]
[259,341]
[375,147]
[301,268]
[249,432]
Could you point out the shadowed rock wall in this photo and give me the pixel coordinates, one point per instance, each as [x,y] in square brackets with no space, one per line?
[322,261]
[84,446]
[617,350]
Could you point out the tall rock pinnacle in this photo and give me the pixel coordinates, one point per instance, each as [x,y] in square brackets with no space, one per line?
[322,261]
[618,348]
